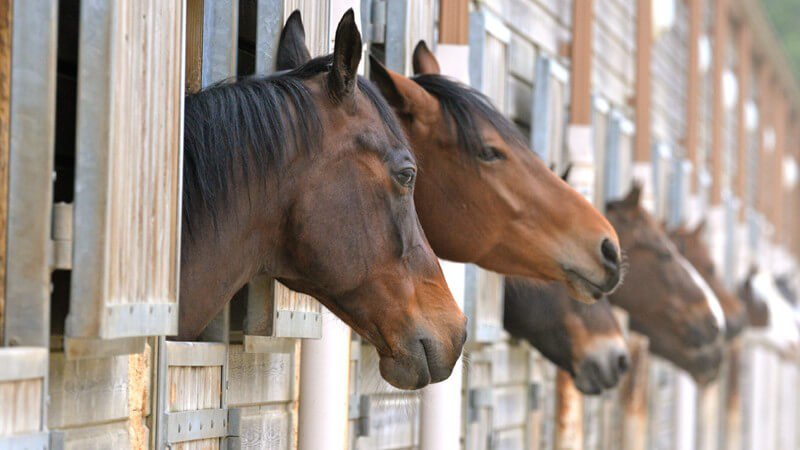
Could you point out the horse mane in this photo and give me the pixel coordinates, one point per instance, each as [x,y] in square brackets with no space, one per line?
[249,127]
[463,107]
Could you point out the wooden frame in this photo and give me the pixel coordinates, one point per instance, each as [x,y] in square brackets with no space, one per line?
[581,79]
[642,101]
[693,89]
[549,125]
[718,114]
[128,184]
[454,22]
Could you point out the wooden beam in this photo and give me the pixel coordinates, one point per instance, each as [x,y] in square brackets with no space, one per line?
[693,88]
[453,22]
[194,45]
[581,98]
[644,43]
[775,172]
[5,108]
[764,121]
[720,27]
[744,59]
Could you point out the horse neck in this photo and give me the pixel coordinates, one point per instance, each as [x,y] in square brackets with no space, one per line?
[217,261]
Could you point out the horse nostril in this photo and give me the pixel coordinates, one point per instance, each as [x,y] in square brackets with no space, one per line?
[623,362]
[609,251]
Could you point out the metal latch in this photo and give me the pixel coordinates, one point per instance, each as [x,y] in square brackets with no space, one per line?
[62,236]
[373,23]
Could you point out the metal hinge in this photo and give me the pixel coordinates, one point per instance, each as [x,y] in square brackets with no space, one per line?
[62,236]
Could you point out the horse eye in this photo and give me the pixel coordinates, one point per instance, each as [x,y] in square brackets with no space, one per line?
[405,177]
[490,153]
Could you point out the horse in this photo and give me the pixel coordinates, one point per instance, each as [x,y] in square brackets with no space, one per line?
[306,176]
[773,317]
[584,340]
[666,298]
[690,244]
[483,196]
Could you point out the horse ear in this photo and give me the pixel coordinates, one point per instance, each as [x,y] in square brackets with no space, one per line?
[632,199]
[292,50]
[346,57]
[385,82]
[565,174]
[424,61]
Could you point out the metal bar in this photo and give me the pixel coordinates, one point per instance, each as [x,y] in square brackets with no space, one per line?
[32,137]
[268,31]
[195,353]
[199,424]
[220,30]
[477,48]
[62,236]
[23,363]
[395,37]
[540,108]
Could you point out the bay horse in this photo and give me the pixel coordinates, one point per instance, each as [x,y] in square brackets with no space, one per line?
[666,299]
[483,196]
[690,244]
[584,340]
[306,176]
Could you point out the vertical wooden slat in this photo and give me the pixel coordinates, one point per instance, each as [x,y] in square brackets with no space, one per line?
[5,109]
[775,170]
[569,414]
[719,43]
[764,106]
[644,43]
[582,14]
[693,89]
[453,22]
[744,60]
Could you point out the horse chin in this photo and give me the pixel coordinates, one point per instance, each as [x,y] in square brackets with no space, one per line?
[582,289]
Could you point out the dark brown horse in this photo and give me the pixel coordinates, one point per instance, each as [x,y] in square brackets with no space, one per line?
[666,299]
[306,176]
[690,244]
[483,196]
[584,340]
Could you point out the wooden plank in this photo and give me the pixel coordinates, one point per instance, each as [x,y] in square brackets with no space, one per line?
[87,391]
[266,427]
[744,59]
[128,170]
[98,437]
[453,21]
[257,378]
[581,79]
[139,396]
[20,410]
[644,41]
[194,45]
[5,111]
[569,413]
[32,137]
[720,36]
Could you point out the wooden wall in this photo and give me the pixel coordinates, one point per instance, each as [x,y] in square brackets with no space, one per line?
[5,108]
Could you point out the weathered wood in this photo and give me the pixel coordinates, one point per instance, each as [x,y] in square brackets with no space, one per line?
[87,391]
[127,185]
[266,427]
[20,412]
[139,389]
[633,395]
[98,437]
[5,111]
[720,36]
[569,414]
[453,21]
[257,378]
[194,45]
[32,137]
[644,42]
[582,56]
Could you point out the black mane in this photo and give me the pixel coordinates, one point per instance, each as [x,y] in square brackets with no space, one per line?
[247,127]
[464,106]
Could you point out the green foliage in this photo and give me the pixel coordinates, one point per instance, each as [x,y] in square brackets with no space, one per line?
[785,18]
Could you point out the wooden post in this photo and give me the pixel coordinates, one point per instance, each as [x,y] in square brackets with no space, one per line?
[764,106]
[5,108]
[693,89]
[194,45]
[743,134]
[775,171]
[644,42]
[717,107]
[453,21]
[581,111]
[569,413]
[633,395]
